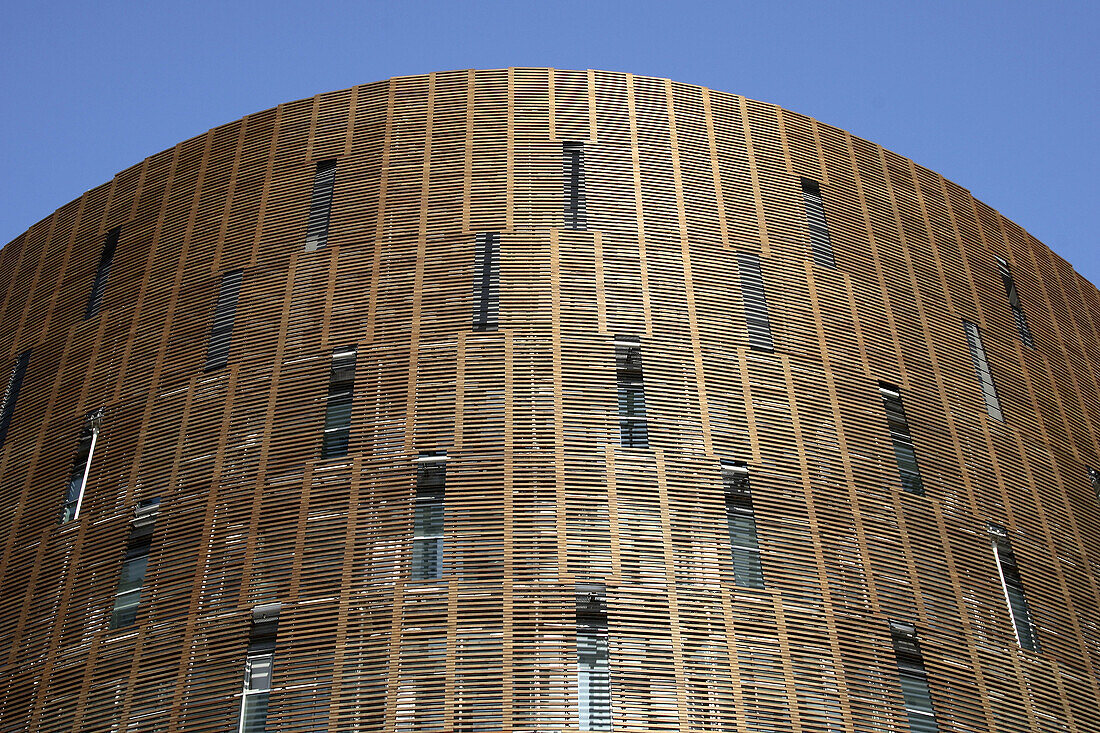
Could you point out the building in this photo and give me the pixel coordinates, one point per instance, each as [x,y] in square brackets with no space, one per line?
[541,400]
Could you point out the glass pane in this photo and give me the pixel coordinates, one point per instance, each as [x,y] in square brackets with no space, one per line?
[254,712]
[633,433]
[593,678]
[427,558]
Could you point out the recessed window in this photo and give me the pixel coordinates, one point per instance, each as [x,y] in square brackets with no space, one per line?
[593,669]
[225,313]
[913,678]
[428,516]
[573,182]
[1013,587]
[985,375]
[904,451]
[82,465]
[1094,479]
[339,403]
[320,205]
[11,393]
[99,284]
[486,281]
[820,245]
[741,521]
[1014,303]
[756,303]
[259,669]
[132,576]
[633,429]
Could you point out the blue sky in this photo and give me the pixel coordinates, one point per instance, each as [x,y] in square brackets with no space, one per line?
[1000,97]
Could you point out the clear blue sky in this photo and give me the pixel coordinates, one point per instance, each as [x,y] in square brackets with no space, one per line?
[1000,97]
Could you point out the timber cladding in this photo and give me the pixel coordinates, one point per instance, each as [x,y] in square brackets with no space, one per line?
[488,410]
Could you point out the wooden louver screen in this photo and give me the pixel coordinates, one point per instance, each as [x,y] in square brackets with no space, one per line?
[981,366]
[820,245]
[324,180]
[11,394]
[440,595]
[486,281]
[99,284]
[225,313]
[756,302]
[576,216]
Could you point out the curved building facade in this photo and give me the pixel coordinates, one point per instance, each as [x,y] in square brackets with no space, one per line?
[542,400]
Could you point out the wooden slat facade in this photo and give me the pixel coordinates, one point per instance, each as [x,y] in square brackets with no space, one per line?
[540,494]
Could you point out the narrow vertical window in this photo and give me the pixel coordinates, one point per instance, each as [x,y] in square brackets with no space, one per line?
[1014,304]
[981,366]
[573,175]
[82,464]
[820,245]
[259,667]
[1094,479]
[913,677]
[431,484]
[110,243]
[225,312]
[132,577]
[341,390]
[11,394]
[741,521]
[324,179]
[1013,588]
[633,430]
[593,671]
[904,451]
[486,281]
[756,303]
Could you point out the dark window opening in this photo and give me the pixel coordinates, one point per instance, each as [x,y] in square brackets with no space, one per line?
[11,394]
[820,245]
[985,375]
[1013,587]
[339,403]
[633,429]
[132,577]
[756,303]
[82,465]
[225,313]
[99,284]
[428,516]
[913,677]
[320,205]
[486,281]
[259,668]
[904,451]
[573,174]
[1014,303]
[593,668]
[741,521]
